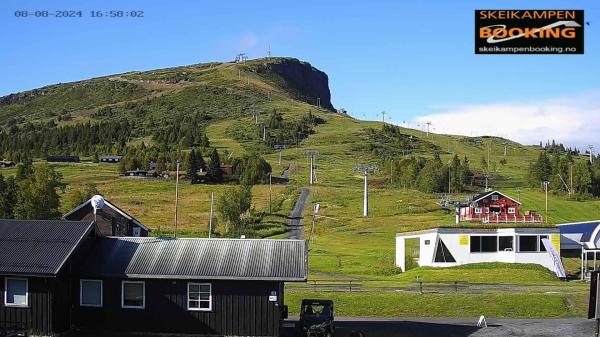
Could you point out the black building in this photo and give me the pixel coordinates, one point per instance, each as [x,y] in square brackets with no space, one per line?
[195,286]
[110,219]
[62,159]
[110,159]
[6,163]
[36,261]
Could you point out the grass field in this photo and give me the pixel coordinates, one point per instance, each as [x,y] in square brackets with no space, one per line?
[491,304]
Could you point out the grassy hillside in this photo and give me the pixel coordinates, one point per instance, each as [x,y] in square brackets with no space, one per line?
[226,97]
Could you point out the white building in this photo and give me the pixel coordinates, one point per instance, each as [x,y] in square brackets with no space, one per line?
[582,239]
[446,247]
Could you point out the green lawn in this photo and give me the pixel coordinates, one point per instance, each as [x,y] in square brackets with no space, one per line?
[491,304]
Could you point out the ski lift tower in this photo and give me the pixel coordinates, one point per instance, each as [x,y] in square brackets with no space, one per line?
[366,168]
[280,148]
[312,154]
[241,57]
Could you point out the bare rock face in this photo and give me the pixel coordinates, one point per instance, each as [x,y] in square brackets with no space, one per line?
[304,81]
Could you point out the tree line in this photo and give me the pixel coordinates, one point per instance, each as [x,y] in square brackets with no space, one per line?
[564,172]
[432,175]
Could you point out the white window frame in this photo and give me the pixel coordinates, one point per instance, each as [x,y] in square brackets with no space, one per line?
[512,210]
[143,283]
[26,305]
[209,296]
[81,304]
[495,197]
[478,210]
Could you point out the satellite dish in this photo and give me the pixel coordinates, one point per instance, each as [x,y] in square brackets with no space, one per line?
[97,202]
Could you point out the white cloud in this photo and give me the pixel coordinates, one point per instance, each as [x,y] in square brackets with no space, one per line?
[572,120]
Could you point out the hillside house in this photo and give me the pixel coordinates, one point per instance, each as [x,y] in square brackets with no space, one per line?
[62,159]
[55,275]
[6,163]
[110,159]
[447,247]
[495,207]
[110,219]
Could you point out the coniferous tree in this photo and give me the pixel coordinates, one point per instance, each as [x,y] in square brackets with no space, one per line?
[214,169]
[192,166]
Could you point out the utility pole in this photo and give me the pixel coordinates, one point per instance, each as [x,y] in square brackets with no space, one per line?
[449,176]
[280,148]
[270,191]
[319,102]
[571,174]
[176,197]
[383,116]
[518,194]
[591,147]
[264,127]
[212,200]
[312,154]
[366,169]
[428,125]
[546,183]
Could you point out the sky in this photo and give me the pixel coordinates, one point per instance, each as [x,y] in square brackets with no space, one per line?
[412,59]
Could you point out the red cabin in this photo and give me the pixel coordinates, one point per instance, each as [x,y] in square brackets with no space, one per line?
[495,207]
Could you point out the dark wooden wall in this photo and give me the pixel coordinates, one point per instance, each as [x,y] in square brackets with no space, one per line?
[109,222]
[38,315]
[240,308]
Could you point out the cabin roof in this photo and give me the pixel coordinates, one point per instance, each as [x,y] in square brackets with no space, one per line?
[484,195]
[482,230]
[194,258]
[88,205]
[39,247]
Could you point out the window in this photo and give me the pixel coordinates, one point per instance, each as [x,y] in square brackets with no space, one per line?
[477,210]
[505,243]
[528,243]
[133,294]
[15,293]
[484,244]
[199,296]
[427,242]
[541,244]
[495,197]
[90,293]
[511,210]
[442,254]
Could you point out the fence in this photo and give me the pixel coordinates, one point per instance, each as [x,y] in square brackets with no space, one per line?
[419,286]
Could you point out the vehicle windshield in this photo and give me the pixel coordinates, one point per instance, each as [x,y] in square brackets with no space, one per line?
[317,310]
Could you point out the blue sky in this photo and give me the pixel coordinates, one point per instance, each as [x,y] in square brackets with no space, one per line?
[413,59]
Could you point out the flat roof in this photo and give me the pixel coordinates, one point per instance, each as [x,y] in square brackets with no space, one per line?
[464,230]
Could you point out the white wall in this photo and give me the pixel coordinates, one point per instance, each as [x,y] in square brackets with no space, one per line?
[460,250]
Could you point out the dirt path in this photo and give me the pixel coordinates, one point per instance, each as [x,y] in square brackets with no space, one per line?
[295,228]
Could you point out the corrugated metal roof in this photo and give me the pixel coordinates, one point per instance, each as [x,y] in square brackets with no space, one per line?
[38,247]
[227,259]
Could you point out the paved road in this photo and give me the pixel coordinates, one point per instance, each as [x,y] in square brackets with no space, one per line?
[458,327]
[295,228]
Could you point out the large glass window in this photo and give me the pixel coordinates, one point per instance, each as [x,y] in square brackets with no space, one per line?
[90,293]
[15,293]
[484,244]
[199,296]
[528,243]
[133,294]
[505,243]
